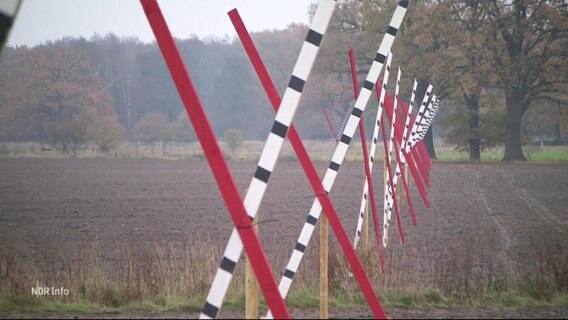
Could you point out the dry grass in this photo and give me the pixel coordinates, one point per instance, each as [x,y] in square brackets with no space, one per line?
[319,150]
[162,273]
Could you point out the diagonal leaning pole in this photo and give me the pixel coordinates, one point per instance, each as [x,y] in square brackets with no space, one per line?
[371,162]
[399,172]
[309,169]
[368,189]
[343,146]
[405,138]
[214,156]
[270,152]
[390,185]
[412,156]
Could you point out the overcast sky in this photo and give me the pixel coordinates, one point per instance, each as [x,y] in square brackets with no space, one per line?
[42,20]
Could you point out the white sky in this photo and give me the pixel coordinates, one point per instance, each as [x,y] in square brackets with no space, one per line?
[42,20]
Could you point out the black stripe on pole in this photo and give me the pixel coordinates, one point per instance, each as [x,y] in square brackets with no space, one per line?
[380,58]
[312,220]
[279,129]
[262,174]
[314,37]
[357,112]
[368,85]
[296,83]
[5,24]
[345,139]
[289,274]
[228,265]
[210,310]
[300,247]
[334,166]
[391,30]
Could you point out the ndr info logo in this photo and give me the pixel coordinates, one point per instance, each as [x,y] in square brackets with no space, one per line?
[49,291]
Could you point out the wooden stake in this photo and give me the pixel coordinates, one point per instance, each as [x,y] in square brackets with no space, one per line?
[324,267]
[252,297]
[366,228]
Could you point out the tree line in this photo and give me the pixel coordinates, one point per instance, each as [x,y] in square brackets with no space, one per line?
[500,68]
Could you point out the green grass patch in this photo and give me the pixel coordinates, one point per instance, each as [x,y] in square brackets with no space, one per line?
[28,304]
[303,298]
[544,156]
[549,156]
[163,304]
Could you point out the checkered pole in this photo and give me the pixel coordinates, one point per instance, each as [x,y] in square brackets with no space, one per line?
[418,151]
[269,155]
[390,186]
[412,158]
[343,145]
[426,104]
[428,118]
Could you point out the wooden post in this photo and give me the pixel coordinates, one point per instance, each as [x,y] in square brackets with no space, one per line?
[252,297]
[403,192]
[324,266]
[365,237]
[386,181]
[366,228]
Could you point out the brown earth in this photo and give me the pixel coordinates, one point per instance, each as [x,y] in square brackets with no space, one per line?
[491,220]
[393,313]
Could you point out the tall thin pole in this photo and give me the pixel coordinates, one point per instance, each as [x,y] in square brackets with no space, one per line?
[324,267]
[252,297]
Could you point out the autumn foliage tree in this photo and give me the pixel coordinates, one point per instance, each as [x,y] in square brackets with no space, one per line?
[55,95]
[472,48]
[488,61]
[529,51]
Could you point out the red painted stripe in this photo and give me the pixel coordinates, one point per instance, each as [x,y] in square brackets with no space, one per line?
[215,158]
[310,171]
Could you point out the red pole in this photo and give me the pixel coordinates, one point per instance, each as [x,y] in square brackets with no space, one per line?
[390,174]
[310,171]
[215,158]
[376,221]
[403,113]
[411,157]
[330,126]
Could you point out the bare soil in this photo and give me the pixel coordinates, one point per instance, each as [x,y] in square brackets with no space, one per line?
[492,220]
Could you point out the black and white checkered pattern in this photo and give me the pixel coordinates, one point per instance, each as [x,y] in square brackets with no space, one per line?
[390,190]
[413,137]
[342,147]
[428,118]
[270,153]
[398,171]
